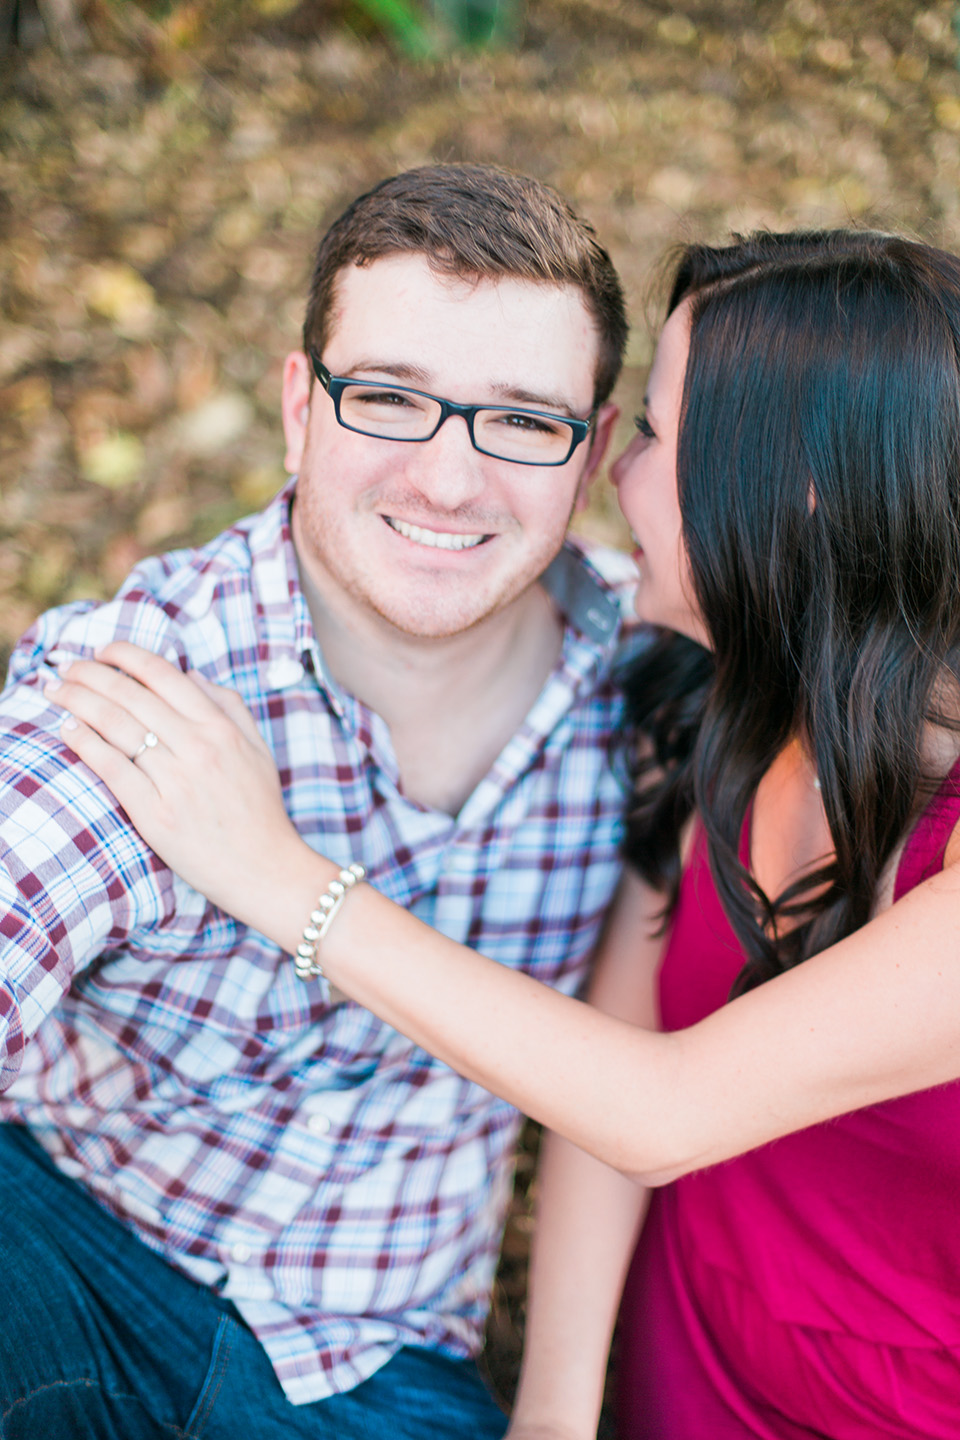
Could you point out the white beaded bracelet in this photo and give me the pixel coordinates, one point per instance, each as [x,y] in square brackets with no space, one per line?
[321,918]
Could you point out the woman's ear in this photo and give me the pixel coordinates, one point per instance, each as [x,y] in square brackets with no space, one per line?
[295,407]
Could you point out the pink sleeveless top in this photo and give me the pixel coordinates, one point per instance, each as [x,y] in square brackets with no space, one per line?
[810,1288]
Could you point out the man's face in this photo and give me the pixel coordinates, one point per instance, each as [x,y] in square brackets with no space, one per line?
[370,513]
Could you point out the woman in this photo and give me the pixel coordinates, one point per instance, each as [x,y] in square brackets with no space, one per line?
[795,488]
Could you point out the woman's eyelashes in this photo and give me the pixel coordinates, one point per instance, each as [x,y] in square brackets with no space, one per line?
[643,425]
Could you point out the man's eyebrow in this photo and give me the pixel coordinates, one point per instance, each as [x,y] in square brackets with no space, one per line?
[420,379]
[398,369]
[556,404]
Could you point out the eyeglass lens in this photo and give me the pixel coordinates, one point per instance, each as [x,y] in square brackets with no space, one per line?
[507,434]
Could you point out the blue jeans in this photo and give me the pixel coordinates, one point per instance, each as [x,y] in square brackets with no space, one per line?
[100,1339]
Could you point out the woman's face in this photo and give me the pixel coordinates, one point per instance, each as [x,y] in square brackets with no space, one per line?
[646,479]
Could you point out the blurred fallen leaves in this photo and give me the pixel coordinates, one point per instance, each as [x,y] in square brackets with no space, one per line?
[113,462]
[123,297]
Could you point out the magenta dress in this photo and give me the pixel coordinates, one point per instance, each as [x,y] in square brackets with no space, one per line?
[810,1288]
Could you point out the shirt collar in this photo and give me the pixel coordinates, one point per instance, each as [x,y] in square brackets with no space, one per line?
[586,601]
[285,631]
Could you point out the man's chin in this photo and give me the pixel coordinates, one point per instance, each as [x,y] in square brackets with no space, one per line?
[432,612]
[429,625]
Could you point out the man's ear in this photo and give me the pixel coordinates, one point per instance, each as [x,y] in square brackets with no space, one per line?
[295,407]
[607,417]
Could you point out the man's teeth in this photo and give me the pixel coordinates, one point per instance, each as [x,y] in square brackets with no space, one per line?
[436,538]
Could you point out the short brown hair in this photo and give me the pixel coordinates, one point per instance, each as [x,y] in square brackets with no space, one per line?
[475,220]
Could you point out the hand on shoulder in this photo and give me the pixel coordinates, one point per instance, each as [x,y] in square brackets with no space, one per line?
[187,763]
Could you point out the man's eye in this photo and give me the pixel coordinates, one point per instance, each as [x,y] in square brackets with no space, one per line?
[391,398]
[533,424]
[644,426]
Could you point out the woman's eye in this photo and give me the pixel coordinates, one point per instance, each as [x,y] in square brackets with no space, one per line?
[644,427]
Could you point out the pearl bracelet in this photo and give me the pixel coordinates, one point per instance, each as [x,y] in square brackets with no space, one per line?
[321,918]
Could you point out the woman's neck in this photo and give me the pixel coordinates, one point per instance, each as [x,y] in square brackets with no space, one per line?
[789,834]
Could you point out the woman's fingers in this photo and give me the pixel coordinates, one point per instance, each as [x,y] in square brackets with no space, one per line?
[122,711]
[167,682]
[191,694]
[152,790]
[130,784]
[206,796]
[144,683]
[184,711]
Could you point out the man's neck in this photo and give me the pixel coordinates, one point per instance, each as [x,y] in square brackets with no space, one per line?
[451,703]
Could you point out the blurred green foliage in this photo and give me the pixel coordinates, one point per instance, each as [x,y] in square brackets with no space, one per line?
[420,28]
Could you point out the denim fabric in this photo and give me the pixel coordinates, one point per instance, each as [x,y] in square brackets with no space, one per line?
[100,1339]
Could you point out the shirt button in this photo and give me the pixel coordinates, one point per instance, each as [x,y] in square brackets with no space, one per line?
[241,1252]
[599,618]
[284,672]
[319,1124]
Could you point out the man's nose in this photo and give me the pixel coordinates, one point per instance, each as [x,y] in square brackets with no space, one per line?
[446,469]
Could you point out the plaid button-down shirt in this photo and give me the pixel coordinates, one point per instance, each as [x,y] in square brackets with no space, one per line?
[344,1189]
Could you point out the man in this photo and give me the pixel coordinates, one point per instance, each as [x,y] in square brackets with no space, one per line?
[251,1203]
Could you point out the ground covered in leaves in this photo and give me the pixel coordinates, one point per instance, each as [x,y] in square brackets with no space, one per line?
[162,184]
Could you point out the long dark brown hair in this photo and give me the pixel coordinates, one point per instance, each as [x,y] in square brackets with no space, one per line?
[819,484]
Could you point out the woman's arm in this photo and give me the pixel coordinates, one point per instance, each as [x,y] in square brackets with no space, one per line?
[588,1216]
[876,1016]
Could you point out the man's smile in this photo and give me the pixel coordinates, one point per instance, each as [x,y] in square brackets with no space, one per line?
[437,539]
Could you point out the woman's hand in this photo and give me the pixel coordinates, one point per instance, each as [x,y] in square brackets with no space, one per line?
[206,795]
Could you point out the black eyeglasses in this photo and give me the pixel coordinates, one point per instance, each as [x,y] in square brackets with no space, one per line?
[395,412]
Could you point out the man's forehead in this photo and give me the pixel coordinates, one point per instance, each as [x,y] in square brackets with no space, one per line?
[399,310]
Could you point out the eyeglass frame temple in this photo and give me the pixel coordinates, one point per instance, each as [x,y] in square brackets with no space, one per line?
[334,386]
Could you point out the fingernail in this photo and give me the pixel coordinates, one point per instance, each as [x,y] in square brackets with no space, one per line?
[52,685]
[70,724]
[63,669]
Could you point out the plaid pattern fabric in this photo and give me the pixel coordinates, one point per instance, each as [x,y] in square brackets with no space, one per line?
[341,1187]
